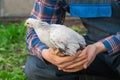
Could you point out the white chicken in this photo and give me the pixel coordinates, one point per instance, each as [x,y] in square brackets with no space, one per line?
[59,37]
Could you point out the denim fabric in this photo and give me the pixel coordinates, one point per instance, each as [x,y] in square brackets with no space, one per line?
[37,69]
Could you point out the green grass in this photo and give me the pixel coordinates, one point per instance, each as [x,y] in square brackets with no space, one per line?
[78,30]
[12,51]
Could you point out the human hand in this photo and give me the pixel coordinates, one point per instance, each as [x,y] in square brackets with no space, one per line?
[90,51]
[65,61]
[93,50]
[77,64]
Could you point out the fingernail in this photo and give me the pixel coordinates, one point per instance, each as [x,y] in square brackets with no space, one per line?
[85,66]
[59,68]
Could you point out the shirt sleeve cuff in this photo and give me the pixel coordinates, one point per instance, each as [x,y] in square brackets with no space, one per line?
[112,44]
[107,46]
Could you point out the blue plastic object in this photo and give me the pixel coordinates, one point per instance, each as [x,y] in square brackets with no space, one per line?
[90,10]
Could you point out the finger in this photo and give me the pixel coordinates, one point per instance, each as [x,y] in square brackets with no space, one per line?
[64,65]
[73,70]
[59,59]
[66,59]
[83,53]
[79,52]
[85,65]
[78,64]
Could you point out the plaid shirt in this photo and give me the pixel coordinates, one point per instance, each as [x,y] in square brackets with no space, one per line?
[112,43]
[54,12]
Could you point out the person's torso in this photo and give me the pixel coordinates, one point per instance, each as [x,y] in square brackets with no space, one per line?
[99,28]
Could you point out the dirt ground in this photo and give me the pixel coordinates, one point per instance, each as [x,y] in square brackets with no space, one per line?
[71,21]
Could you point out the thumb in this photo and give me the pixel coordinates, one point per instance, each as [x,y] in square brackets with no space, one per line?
[83,52]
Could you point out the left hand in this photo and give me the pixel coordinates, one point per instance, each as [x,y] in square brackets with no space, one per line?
[91,54]
[75,65]
[91,51]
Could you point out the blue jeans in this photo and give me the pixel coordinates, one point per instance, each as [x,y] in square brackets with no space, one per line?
[37,69]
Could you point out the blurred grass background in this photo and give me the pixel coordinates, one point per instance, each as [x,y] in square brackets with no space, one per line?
[13,52]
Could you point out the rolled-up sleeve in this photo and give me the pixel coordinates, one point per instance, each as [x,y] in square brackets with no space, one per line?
[112,43]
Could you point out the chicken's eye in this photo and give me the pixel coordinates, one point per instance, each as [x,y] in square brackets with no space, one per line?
[28,23]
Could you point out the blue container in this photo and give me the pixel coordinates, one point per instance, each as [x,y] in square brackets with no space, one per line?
[90,10]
